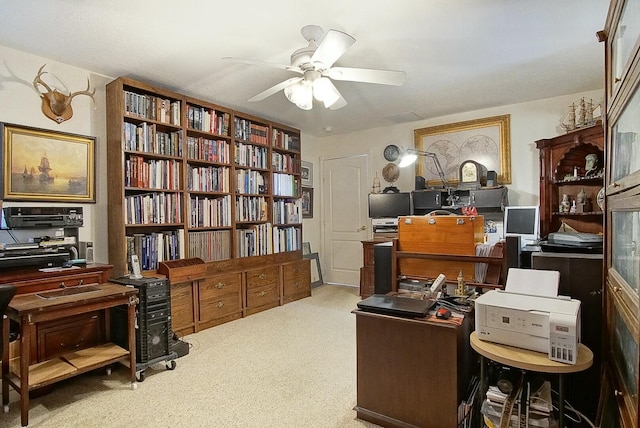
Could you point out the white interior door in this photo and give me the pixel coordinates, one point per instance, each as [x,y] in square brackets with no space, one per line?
[345,217]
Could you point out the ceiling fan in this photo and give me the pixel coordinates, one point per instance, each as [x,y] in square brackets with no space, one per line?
[315,65]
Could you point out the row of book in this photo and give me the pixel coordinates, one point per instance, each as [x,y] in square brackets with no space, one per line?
[250,131]
[285,185]
[286,239]
[250,182]
[146,138]
[152,173]
[284,140]
[200,148]
[210,245]
[250,156]
[208,179]
[153,208]
[209,212]
[251,208]
[287,211]
[152,108]
[285,163]
[208,120]
[254,241]
[154,248]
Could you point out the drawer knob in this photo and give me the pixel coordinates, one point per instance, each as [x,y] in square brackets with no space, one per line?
[263,276]
[617,393]
[76,346]
[296,270]
[220,304]
[297,284]
[262,293]
[220,285]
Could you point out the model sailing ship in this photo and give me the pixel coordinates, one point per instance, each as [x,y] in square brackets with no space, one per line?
[580,116]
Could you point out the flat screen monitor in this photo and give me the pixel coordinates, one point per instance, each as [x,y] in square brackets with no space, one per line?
[524,222]
[389,205]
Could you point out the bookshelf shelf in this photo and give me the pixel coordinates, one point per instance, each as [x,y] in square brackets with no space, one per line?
[190,179]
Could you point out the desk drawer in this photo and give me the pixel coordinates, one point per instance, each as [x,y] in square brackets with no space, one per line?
[297,277]
[69,334]
[220,296]
[262,277]
[259,296]
[33,286]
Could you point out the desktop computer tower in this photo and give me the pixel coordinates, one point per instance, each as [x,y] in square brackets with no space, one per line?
[154,336]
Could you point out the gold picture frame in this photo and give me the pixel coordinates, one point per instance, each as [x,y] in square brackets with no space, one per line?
[486,141]
[43,165]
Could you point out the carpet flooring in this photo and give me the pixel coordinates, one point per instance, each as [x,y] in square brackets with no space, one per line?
[291,366]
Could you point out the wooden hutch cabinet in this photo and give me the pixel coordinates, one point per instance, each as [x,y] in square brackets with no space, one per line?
[619,398]
[562,172]
[209,197]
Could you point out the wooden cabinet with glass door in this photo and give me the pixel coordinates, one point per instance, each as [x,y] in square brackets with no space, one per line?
[619,400]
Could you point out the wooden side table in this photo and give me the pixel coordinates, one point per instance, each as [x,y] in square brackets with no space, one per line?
[525,359]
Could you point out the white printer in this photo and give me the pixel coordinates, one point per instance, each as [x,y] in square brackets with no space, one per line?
[539,322]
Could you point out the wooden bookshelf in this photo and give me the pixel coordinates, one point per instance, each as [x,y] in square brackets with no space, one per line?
[192,179]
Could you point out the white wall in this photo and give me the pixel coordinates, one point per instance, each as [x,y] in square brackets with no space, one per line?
[529,122]
[20,104]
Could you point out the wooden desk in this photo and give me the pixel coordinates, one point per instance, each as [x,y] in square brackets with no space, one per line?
[525,359]
[411,372]
[30,309]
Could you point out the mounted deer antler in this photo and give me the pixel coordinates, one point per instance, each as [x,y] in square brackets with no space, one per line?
[56,105]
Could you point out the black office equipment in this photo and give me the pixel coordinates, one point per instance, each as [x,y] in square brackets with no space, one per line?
[382,267]
[396,305]
[383,205]
[154,336]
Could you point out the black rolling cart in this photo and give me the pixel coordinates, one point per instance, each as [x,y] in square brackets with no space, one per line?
[154,336]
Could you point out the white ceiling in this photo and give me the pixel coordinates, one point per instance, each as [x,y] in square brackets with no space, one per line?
[459,55]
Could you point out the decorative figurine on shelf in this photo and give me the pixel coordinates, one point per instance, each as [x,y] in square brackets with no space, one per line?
[376,184]
[461,289]
[565,205]
[591,165]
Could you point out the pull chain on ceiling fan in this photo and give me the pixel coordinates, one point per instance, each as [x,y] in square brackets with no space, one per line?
[315,64]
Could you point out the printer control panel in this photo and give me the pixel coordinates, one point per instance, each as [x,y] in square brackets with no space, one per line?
[515,320]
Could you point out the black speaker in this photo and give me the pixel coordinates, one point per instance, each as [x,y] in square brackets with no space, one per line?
[513,252]
[383,280]
[492,178]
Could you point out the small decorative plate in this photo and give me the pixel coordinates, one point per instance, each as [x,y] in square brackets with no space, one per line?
[600,199]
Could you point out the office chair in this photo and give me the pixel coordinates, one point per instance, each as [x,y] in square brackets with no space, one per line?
[6,294]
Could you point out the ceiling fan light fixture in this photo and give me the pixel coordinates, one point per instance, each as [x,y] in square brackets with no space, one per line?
[324,91]
[300,94]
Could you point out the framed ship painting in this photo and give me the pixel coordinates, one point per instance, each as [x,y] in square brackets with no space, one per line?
[43,165]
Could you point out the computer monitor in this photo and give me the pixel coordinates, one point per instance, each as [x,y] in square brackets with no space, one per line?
[389,205]
[522,221]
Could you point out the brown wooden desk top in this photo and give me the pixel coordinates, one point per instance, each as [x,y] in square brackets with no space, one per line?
[530,360]
[32,303]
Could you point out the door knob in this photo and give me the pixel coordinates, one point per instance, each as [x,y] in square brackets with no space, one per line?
[361,228]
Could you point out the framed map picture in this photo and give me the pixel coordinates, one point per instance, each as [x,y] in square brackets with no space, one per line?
[485,141]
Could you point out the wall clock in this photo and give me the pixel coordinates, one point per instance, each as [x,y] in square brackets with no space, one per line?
[392,153]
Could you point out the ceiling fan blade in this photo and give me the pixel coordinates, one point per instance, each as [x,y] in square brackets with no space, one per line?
[333,45]
[268,64]
[367,75]
[272,90]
